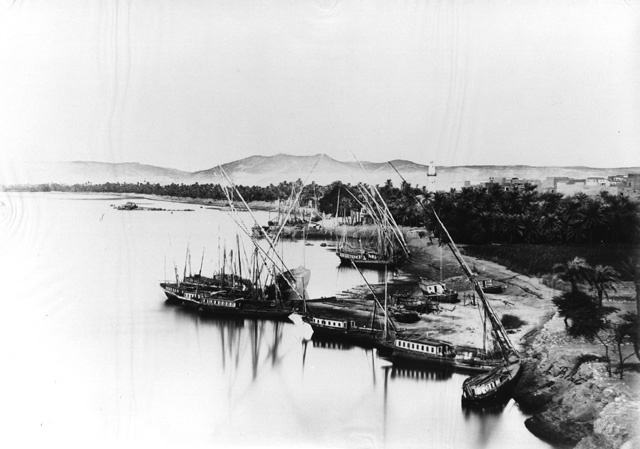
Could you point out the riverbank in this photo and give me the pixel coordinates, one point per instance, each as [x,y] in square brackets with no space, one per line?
[564,384]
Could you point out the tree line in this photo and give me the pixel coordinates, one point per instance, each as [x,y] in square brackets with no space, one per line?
[481,215]
[474,215]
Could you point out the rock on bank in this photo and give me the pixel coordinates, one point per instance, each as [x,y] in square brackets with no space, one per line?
[574,400]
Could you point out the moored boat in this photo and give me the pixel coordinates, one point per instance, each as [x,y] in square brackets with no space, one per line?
[494,386]
[423,350]
[366,257]
[488,286]
[474,360]
[172,291]
[403,315]
[437,291]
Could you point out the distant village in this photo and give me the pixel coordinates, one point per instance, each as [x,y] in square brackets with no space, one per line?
[624,185]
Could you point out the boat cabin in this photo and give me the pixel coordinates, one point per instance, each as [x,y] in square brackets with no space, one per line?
[172,289]
[485,282]
[488,286]
[334,324]
[212,301]
[430,347]
[434,288]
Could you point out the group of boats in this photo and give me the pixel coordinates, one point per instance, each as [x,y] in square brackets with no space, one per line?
[280,293]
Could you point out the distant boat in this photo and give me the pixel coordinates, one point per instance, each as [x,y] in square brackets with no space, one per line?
[368,256]
[403,315]
[437,291]
[488,286]
[386,248]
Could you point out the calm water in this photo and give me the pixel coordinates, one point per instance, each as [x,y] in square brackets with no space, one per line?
[92,355]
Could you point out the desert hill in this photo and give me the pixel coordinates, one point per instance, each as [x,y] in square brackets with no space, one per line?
[265,170]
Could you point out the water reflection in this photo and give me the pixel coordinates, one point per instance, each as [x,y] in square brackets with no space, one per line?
[419,374]
[325,343]
[373,276]
[263,337]
[495,408]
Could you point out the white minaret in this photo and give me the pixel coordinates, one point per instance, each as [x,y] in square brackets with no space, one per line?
[431,175]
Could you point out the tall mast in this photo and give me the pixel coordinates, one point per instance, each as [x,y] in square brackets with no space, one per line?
[239,258]
[506,347]
[338,207]
[375,298]
[186,257]
[267,238]
[385,208]
[385,301]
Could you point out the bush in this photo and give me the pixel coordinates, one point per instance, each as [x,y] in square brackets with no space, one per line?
[511,321]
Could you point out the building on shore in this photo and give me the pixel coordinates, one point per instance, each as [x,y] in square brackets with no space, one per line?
[507,183]
[625,185]
[630,187]
[570,186]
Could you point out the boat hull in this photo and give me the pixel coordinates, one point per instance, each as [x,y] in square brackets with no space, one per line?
[412,358]
[373,263]
[171,292]
[449,298]
[493,289]
[344,330]
[492,387]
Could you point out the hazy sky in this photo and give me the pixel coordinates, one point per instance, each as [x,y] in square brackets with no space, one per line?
[189,84]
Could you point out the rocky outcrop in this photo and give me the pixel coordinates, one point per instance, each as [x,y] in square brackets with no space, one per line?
[574,401]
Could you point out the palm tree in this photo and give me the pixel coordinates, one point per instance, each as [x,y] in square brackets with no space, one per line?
[603,278]
[631,268]
[573,271]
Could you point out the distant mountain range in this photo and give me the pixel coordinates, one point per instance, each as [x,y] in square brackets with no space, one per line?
[265,170]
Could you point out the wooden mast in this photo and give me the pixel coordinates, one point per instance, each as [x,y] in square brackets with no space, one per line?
[509,352]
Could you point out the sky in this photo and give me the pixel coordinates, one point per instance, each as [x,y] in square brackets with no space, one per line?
[190,84]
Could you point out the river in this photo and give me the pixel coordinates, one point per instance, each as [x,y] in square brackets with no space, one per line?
[94,356]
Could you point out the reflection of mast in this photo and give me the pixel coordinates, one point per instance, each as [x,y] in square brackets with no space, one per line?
[305,342]
[277,336]
[384,408]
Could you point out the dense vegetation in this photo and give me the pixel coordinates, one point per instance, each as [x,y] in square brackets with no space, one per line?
[495,215]
[536,259]
[473,215]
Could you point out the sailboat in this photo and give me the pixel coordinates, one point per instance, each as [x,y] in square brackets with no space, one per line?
[386,248]
[332,324]
[284,289]
[496,384]
[193,287]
